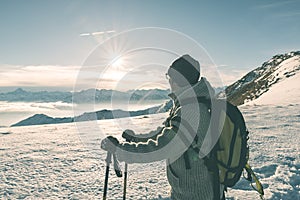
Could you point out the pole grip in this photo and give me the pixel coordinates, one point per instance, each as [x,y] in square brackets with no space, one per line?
[117,167]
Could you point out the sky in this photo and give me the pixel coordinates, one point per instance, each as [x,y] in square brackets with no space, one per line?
[44,44]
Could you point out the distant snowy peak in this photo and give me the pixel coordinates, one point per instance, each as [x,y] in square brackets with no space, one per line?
[259,81]
[84,96]
[18,91]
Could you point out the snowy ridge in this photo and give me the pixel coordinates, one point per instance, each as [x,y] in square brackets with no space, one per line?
[283,93]
[259,81]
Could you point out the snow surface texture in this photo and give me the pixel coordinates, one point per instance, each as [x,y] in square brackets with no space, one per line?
[283,93]
[284,81]
[51,162]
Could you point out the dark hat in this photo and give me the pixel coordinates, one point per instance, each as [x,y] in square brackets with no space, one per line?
[185,70]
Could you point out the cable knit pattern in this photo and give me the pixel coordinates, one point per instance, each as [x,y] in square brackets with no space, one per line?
[173,140]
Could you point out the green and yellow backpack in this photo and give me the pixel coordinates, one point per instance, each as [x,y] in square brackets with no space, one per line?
[229,157]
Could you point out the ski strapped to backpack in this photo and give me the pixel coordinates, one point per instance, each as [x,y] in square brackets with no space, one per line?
[229,157]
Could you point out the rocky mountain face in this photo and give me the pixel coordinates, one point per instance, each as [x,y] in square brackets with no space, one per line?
[258,81]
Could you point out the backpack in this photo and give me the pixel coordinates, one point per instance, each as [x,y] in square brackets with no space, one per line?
[229,157]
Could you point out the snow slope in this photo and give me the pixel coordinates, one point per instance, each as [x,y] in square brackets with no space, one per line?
[283,93]
[281,68]
[51,162]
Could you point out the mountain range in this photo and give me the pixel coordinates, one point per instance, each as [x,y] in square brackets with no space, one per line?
[38,119]
[280,68]
[84,96]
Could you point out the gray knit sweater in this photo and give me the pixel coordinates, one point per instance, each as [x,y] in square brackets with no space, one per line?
[175,138]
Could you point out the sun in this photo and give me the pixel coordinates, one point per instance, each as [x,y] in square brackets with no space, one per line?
[118,61]
[116,69]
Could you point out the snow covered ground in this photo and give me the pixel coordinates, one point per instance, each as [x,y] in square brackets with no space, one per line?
[51,162]
[282,93]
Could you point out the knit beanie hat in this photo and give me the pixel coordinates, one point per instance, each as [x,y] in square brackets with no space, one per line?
[185,70]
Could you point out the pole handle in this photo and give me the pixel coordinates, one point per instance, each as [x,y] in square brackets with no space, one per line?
[117,167]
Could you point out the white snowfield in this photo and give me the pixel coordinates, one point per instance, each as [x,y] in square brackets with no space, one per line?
[287,90]
[51,162]
[282,93]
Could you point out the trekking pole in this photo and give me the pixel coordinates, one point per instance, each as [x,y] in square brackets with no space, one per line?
[117,171]
[108,161]
[125,177]
[130,136]
[125,181]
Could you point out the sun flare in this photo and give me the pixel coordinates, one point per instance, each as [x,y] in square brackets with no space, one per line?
[118,61]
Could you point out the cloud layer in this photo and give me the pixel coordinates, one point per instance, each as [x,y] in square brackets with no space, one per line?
[112,78]
[38,75]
